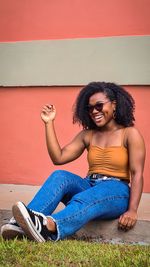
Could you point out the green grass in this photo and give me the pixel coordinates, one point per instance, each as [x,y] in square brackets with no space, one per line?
[72,253]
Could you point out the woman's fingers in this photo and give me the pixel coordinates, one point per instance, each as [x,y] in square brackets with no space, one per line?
[48,108]
[48,113]
[127,221]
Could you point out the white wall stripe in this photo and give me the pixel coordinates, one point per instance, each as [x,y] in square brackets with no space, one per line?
[125,60]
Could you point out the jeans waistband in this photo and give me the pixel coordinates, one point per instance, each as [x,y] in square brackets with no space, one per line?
[97,176]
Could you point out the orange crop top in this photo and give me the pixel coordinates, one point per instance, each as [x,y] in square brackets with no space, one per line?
[111,161]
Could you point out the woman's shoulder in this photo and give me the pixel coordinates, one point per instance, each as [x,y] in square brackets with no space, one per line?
[132,130]
[133,134]
[86,136]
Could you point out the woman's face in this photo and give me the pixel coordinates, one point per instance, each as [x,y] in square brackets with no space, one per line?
[101,109]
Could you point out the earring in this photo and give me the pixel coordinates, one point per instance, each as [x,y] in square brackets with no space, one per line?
[114,114]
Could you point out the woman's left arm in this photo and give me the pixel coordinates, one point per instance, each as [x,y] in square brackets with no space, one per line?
[136,150]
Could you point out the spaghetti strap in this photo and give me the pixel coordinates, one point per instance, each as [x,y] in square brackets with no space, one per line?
[122,136]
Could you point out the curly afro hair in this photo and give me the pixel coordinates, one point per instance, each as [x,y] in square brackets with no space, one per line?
[125,104]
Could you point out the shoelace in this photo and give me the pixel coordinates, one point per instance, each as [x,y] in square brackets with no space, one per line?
[12,220]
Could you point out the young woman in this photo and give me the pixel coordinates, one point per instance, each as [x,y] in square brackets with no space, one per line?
[116,155]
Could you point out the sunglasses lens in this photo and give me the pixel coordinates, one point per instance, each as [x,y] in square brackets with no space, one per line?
[90,109]
[98,107]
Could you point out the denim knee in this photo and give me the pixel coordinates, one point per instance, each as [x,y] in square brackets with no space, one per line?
[57,175]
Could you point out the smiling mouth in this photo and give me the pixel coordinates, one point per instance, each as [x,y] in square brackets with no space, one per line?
[98,117]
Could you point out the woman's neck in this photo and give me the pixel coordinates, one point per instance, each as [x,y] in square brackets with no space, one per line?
[111,127]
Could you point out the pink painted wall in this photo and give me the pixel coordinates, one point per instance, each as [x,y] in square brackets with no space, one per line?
[24,158]
[38,19]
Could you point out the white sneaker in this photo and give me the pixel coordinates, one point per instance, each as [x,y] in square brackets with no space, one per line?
[11,230]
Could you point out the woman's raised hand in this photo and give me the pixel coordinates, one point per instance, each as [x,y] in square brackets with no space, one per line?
[48,113]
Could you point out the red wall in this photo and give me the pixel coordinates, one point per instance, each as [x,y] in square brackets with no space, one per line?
[38,19]
[24,158]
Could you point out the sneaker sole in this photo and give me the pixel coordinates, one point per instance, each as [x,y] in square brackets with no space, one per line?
[10,233]
[23,219]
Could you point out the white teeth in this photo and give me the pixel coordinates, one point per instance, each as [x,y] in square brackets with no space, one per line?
[98,117]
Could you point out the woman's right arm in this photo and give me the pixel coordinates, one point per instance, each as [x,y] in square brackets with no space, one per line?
[57,154]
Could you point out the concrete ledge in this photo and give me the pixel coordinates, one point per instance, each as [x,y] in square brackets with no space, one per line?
[104,231]
[107,231]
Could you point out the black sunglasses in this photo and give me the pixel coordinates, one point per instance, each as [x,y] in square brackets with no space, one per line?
[97,106]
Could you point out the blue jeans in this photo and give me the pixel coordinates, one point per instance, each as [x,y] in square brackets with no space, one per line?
[85,199]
